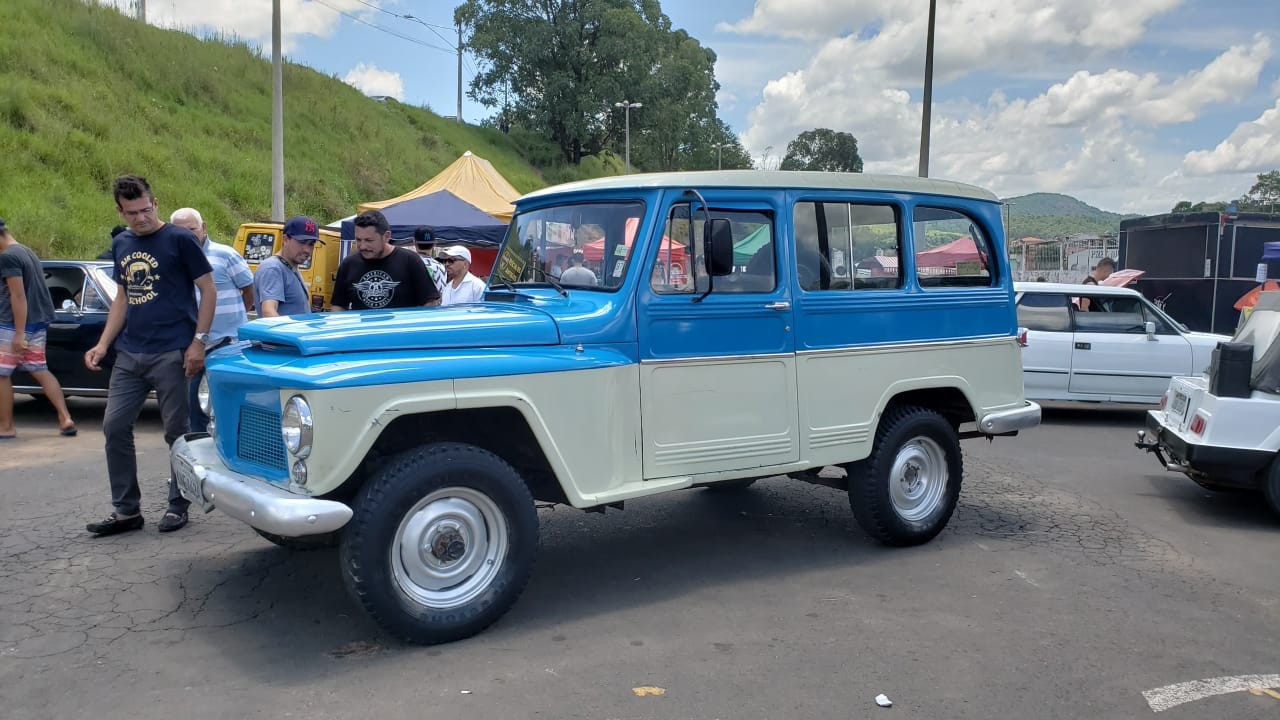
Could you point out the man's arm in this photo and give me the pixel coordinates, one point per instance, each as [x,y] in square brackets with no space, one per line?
[242,276]
[115,323]
[269,308]
[246,294]
[193,359]
[18,301]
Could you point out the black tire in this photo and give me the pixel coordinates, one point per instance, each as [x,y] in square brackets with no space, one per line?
[304,543]
[890,499]
[1271,486]
[477,514]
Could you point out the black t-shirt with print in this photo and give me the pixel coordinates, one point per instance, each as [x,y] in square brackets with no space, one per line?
[157,275]
[398,280]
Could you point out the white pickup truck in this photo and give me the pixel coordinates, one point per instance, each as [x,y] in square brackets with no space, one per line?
[1222,429]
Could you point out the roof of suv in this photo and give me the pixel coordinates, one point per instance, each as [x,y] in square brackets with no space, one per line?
[774,179]
[1072,288]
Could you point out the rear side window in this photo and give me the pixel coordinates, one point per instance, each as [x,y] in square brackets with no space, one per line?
[847,246]
[1047,312]
[951,249]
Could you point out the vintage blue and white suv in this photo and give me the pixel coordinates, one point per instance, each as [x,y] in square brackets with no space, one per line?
[639,335]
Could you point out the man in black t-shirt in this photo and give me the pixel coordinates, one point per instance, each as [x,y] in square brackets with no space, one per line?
[159,334]
[379,275]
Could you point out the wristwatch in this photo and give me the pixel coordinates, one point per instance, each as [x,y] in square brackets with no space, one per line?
[203,338]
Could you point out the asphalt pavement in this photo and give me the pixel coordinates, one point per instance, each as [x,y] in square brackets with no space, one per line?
[1075,576]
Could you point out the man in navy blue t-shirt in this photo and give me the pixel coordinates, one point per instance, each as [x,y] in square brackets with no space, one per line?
[160,336]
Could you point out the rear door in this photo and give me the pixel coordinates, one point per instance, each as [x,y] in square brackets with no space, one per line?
[1046,359]
[1112,355]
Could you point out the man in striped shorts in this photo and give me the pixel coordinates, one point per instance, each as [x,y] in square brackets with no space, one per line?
[234,280]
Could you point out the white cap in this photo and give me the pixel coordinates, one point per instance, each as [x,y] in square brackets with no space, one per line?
[457,251]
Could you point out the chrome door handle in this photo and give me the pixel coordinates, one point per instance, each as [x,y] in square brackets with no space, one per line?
[779,305]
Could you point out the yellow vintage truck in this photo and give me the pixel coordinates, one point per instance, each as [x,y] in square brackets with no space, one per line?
[258,241]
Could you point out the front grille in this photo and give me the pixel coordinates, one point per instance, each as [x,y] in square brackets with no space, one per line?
[258,439]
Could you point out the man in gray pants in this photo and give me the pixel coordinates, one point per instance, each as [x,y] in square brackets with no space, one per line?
[160,336]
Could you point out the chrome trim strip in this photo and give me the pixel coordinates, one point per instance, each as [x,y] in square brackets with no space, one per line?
[898,347]
[717,358]
[255,502]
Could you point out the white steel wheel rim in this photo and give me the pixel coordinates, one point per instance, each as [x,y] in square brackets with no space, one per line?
[918,479]
[449,547]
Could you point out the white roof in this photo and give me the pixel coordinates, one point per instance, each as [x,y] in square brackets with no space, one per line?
[773,179]
[1072,288]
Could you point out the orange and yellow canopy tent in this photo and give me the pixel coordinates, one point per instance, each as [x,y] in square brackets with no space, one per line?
[471,178]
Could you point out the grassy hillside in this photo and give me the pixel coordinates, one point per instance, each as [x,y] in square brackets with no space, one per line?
[87,94]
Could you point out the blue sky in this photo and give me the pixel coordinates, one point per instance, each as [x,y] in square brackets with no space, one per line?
[1130,105]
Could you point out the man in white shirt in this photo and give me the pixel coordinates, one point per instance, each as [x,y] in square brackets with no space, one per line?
[462,287]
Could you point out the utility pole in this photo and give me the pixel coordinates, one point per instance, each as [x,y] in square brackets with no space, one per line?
[459,72]
[928,93]
[277,118]
[719,149]
[140,7]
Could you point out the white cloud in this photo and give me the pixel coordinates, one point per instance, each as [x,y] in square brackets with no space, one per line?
[372,80]
[1253,147]
[248,20]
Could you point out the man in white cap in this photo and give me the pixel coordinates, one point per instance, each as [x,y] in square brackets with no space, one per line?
[462,287]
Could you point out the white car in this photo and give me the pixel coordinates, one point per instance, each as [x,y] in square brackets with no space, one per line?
[1123,349]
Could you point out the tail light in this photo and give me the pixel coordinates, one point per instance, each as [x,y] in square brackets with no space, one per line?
[1022,337]
[1197,424]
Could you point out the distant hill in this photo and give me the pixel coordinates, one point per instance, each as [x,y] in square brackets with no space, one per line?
[87,94]
[1053,215]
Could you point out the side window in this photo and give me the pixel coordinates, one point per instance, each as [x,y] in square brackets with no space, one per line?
[1149,314]
[679,266]
[846,246]
[1109,315]
[951,250]
[65,283]
[258,246]
[1047,312]
[93,301]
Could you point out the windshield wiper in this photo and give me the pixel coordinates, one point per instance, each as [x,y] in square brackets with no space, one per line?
[507,285]
[552,282]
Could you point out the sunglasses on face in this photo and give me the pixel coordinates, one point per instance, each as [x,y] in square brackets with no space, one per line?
[449,261]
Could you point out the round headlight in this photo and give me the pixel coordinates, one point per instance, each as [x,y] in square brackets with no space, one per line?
[296,427]
[203,398]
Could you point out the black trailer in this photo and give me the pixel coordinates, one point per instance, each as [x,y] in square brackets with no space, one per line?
[1198,264]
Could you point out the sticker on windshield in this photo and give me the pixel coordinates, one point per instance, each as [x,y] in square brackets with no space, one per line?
[619,267]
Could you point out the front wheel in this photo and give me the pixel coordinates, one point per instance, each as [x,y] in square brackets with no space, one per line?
[906,490]
[441,544]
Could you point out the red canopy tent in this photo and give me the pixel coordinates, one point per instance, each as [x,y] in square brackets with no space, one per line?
[594,251]
[948,255]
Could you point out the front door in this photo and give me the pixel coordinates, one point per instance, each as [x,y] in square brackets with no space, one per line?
[718,376]
[1112,355]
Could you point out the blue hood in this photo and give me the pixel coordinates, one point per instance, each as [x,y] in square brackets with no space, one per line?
[483,325]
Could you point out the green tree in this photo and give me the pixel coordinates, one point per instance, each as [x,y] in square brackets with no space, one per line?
[1266,192]
[823,149]
[556,67]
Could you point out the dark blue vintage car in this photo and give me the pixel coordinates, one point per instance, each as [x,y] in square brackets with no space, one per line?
[82,292]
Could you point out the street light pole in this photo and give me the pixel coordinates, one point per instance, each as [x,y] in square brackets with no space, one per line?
[626,108]
[719,150]
[925,117]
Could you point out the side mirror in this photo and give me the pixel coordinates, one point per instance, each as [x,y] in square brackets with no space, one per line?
[1150,328]
[69,305]
[717,240]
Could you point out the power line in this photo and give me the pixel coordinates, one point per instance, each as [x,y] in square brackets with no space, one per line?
[403,17]
[383,29]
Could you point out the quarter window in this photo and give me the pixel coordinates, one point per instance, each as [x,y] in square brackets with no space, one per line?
[1047,312]
[847,246]
[951,249]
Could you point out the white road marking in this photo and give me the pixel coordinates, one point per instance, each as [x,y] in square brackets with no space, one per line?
[1023,575]
[1163,698]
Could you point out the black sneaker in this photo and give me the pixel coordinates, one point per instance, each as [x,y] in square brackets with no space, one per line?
[172,521]
[115,525]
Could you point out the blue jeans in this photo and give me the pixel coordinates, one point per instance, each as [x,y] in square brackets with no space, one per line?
[134,376]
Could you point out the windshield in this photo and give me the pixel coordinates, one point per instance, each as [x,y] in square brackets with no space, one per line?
[584,245]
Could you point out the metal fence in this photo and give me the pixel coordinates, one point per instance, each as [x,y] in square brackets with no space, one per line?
[1062,259]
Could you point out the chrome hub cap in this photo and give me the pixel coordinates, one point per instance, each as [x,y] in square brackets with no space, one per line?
[449,547]
[918,479]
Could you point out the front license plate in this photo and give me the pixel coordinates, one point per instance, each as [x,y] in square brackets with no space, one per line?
[1179,404]
[189,483]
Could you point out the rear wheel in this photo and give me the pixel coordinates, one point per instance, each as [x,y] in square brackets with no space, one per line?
[1271,487]
[906,490]
[441,544]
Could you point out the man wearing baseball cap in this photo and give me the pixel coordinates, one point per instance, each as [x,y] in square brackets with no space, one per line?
[278,288]
[462,287]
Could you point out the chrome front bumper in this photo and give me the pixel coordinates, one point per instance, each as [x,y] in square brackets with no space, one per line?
[1006,421]
[205,481]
